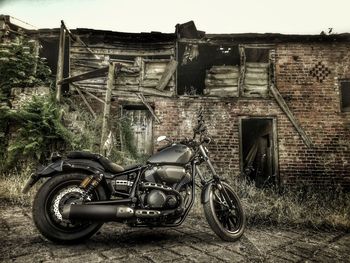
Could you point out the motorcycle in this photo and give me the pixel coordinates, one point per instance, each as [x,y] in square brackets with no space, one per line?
[85,190]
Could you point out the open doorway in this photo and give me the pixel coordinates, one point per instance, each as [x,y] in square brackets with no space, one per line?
[258,151]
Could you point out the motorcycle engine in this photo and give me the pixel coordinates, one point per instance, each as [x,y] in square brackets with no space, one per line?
[167,177]
[159,199]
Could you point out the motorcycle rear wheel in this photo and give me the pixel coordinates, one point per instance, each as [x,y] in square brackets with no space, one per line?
[228,224]
[48,204]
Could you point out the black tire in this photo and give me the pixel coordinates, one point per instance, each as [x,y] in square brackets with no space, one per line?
[64,188]
[228,224]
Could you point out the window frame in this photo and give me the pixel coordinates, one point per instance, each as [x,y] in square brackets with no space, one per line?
[342,108]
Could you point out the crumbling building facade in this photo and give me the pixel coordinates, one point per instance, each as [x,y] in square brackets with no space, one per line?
[277,106]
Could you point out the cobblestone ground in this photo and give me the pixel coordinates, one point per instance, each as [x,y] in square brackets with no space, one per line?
[193,242]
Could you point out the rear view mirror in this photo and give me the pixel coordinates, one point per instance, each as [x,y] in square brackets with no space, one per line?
[161,138]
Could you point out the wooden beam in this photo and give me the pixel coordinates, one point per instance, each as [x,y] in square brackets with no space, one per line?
[78,39]
[83,89]
[107,106]
[168,73]
[72,36]
[242,69]
[281,102]
[60,63]
[85,100]
[93,96]
[143,99]
[96,73]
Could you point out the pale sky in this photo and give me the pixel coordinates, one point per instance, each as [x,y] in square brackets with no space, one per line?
[211,16]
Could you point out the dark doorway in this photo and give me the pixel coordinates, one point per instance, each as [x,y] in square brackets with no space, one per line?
[258,152]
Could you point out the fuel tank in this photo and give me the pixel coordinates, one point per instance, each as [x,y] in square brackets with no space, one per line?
[175,154]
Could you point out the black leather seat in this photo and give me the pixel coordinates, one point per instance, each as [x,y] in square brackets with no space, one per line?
[107,164]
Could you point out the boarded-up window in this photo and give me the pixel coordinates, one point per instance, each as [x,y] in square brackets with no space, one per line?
[152,72]
[345,95]
[256,73]
[222,81]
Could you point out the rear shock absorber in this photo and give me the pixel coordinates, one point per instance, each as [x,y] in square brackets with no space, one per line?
[89,184]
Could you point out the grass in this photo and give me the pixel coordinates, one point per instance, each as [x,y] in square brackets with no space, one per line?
[293,207]
[11,185]
[300,207]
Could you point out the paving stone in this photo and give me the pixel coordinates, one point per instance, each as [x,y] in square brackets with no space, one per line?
[162,255]
[185,250]
[227,255]
[193,242]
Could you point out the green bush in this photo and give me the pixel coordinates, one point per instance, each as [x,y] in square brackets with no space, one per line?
[38,131]
[21,67]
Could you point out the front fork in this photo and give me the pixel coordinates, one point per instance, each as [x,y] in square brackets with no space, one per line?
[216,179]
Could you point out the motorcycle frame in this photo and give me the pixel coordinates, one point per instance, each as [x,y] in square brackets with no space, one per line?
[133,199]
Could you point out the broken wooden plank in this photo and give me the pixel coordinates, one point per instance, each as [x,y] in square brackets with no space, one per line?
[168,73]
[283,105]
[222,92]
[229,75]
[148,91]
[94,96]
[107,106]
[143,99]
[123,51]
[85,100]
[256,81]
[88,75]
[224,69]
[221,82]
[148,83]
[257,65]
[60,63]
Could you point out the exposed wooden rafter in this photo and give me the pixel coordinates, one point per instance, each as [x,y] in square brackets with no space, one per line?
[143,99]
[96,73]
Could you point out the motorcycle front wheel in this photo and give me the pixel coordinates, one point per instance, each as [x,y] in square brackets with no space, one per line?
[48,204]
[228,223]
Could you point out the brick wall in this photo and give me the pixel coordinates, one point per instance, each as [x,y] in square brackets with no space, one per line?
[307,76]
[312,97]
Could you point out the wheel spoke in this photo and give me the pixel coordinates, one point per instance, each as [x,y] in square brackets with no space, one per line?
[234,222]
[229,223]
[220,201]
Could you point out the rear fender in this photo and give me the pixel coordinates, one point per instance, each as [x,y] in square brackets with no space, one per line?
[63,165]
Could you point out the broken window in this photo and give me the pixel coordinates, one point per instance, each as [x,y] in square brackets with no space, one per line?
[256,73]
[258,157]
[225,70]
[345,95]
[211,70]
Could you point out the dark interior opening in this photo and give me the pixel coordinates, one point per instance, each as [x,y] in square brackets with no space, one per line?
[135,107]
[49,51]
[345,95]
[195,59]
[257,151]
[259,55]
